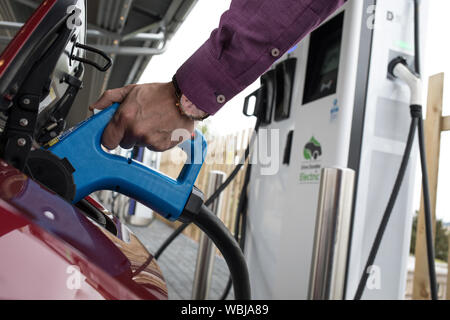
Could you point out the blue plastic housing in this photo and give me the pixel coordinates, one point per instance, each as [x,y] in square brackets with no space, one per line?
[96,169]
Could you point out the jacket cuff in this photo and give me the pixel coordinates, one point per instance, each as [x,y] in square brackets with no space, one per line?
[203,82]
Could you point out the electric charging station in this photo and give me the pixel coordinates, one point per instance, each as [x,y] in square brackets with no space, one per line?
[335,106]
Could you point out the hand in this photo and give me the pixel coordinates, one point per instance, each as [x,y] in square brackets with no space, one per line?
[146,117]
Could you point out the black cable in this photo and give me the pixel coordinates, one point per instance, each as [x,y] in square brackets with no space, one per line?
[389,208]
[214,228]
[169,240]
[227,289]
[428,219]
[208,202]
[237,226]
[423,162]
[214,196]
[417,122]
[241,218]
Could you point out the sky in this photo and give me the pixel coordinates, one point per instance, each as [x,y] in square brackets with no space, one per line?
[205,17]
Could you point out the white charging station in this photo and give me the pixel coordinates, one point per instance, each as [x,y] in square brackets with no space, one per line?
[344,111]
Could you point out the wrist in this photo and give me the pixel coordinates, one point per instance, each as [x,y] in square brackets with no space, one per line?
[187,107]
[190,109]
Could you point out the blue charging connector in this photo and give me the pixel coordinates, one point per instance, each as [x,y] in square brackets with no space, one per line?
[96,169]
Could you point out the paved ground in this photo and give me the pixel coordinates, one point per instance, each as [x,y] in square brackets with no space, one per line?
[178,262]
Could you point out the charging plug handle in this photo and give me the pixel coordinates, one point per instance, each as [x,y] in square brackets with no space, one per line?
[95,169]
[399,69]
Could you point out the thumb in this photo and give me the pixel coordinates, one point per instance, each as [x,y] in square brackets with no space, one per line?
[111,96]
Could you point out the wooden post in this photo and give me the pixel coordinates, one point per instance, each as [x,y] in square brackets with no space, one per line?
[433,128]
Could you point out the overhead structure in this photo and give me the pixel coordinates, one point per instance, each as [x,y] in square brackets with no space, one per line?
[130,31]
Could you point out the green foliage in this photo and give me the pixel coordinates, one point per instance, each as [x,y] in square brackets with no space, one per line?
[412,247]
[441,240]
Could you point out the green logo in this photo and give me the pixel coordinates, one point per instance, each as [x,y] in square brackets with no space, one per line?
[312,150]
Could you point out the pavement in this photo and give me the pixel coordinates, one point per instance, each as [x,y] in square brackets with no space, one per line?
[178,262]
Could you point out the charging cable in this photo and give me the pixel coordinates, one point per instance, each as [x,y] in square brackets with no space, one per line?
[215,195]
[398,68]
[199,214]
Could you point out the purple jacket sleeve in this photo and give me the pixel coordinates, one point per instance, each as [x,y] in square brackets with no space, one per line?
[251,36]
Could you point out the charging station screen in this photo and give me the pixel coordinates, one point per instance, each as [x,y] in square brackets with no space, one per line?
[323,60]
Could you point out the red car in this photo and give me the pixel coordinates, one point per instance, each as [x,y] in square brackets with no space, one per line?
[50,249]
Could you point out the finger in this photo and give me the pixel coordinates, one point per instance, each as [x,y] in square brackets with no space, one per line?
[114,132]
[128,141]
[161,142]
[111,96]
[127,146]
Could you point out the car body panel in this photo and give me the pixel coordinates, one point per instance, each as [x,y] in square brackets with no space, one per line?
[48,248]
[44,242]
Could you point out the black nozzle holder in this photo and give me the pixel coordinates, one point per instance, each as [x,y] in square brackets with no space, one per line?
[394,63]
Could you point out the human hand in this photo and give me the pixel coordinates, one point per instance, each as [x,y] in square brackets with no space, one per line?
[147,116]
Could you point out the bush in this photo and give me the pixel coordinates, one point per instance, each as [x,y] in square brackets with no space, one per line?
[441,240]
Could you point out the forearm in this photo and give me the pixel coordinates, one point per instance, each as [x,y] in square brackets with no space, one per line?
[252,35]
